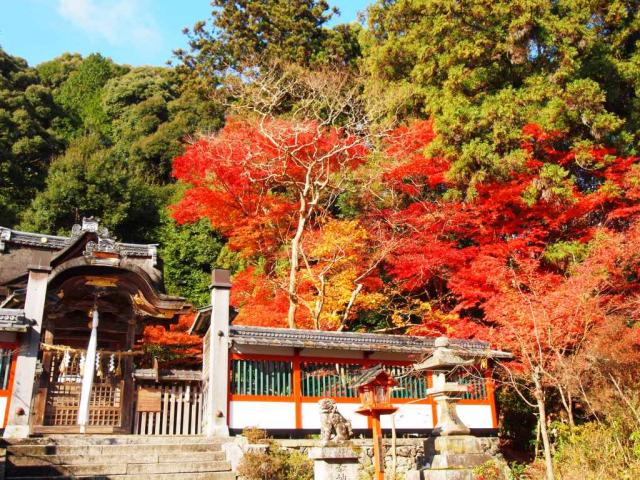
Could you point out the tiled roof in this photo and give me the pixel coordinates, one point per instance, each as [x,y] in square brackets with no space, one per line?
[13,320]
[55,242]
[284,337]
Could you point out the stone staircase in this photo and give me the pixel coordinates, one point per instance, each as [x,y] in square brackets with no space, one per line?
[125,457]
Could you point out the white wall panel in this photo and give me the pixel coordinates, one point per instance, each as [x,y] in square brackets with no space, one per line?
[262,414]
[475,416]
[410,416]
[3,409]
[311,415]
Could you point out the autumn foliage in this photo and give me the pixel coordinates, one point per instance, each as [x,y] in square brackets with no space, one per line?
[245,179]
[523,259]
[541,261]
[174,346]
[270,188]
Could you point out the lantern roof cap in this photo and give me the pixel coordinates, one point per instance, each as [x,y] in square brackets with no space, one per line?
[442,358]
[376,374]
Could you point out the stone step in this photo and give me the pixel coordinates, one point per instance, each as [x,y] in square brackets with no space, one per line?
[125,457]
[142,476]
[44,460]
[102,469]
[65,449]
[115,440]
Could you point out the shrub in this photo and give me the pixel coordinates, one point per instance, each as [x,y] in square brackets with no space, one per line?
[598,451]
[255,435]
[490,470]
[275,464]
[260,466]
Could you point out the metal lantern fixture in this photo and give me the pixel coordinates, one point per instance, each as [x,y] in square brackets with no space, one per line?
[374,388]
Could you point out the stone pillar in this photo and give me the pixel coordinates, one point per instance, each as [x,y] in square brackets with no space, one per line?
[23,385]
[334,463]
[218,374]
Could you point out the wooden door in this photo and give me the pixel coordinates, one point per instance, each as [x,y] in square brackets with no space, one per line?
[62,398]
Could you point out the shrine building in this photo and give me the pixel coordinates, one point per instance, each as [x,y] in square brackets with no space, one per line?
[72,309]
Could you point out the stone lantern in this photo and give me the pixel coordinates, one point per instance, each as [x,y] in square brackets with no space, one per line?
[446,394]
[451,451]
[374,388]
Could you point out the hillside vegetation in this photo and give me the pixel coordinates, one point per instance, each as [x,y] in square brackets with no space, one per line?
[457,168]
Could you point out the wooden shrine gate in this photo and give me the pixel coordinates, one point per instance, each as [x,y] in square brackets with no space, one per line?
[58,402]
[163,406]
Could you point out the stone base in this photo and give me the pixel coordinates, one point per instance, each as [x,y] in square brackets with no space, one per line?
[216,431]
[16,431]
[453,457]
[334,463]
[464,474]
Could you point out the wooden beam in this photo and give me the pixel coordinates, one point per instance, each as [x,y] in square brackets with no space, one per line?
[119,331]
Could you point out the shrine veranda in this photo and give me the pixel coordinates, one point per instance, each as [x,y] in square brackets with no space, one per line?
[251,376]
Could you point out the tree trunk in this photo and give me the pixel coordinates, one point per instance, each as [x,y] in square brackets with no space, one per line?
[544,433]
[295,263]
[567,403]
[345,315]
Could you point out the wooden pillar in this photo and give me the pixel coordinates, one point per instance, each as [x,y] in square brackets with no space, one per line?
[45,378]
[378,450]
[297,388]
[491,398]
[434,408]
[128,383]
[24,384]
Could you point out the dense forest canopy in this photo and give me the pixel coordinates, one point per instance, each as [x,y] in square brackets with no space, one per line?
[458,168]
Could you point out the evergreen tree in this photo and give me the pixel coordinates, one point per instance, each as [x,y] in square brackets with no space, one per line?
[27,137]
[248,33]
[484,70]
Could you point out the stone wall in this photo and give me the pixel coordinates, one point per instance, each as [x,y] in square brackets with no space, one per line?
[409,452]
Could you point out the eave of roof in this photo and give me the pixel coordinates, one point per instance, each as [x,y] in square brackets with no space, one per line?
[13,320]
[201,321]
[374,342]
[56,242]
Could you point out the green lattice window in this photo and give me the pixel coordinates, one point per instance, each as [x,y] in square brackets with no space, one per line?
[5,367]
[477,385]
[409,386]
[328,379]
[261,377]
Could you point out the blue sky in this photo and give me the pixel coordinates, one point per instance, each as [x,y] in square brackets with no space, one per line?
[137,32]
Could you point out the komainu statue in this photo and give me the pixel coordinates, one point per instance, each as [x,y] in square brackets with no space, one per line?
[333,426]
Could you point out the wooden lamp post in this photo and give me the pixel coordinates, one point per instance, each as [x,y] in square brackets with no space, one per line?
[374,387]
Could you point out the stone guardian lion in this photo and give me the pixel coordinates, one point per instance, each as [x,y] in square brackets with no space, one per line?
[333,426]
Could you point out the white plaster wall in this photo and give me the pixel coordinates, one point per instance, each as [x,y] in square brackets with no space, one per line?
[410,416]
[475,416]
[3,409]
[311,415]
[407,416]
[262,414]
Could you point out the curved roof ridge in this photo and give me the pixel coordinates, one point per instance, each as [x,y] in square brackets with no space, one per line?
[60,242]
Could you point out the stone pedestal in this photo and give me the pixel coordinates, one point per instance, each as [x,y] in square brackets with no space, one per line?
[448,421]
[453,458]
[334,463]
